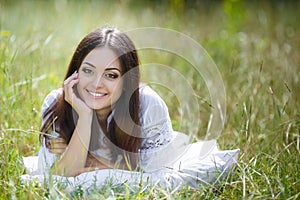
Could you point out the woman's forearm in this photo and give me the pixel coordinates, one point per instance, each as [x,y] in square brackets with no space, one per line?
[73,160]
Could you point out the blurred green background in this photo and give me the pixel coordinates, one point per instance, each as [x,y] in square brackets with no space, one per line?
[255,45]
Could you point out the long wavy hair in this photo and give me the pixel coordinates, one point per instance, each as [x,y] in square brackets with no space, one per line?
[122,130]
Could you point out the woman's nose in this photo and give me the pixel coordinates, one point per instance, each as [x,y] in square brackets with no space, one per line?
[98,81]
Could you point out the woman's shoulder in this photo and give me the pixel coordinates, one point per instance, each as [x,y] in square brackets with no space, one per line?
[151,102]
[154,112]
[55,93]
[51,98]
[149,97]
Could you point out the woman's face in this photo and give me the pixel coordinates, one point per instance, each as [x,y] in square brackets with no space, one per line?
[100,82]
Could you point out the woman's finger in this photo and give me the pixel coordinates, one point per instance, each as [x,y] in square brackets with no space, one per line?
[58,151]
[57,140]
[70,96]
[69,87]
[67,81]
[58,145]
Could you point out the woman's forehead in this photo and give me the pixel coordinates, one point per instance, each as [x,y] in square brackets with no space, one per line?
[103,57]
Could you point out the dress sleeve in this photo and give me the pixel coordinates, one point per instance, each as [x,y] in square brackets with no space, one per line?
[50,99]
[45,157]
[156,125]
[155,120]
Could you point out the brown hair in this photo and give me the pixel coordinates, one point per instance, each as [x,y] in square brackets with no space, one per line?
[118,132]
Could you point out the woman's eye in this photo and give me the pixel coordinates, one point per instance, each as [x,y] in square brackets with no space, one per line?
[111,75]
[87,71]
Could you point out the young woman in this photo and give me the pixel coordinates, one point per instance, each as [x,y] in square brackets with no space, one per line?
[103,119]
[102,82]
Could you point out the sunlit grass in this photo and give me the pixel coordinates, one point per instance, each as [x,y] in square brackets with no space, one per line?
[255,45]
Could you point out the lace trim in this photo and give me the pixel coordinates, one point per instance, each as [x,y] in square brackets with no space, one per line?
[156,136]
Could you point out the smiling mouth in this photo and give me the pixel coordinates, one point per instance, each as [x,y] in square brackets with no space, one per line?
[97,94]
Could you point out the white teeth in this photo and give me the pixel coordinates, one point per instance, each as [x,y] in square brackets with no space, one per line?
[96,94]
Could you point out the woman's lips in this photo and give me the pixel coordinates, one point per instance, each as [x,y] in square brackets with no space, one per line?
[97,94]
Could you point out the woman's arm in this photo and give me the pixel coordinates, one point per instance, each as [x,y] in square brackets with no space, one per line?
[58,146]
[73,160]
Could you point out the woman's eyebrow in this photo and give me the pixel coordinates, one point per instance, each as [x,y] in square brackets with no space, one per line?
[112,68]
[89,64]
[106,69]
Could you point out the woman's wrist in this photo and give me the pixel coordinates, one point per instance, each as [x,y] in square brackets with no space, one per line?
[85,113]
[86,116]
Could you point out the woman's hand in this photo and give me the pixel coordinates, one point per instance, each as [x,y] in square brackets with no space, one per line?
[70,96]
[93,162]
[58,146]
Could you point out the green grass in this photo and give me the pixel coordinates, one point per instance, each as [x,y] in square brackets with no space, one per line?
[255,46]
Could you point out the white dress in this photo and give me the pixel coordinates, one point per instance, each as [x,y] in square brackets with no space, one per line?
[166,157]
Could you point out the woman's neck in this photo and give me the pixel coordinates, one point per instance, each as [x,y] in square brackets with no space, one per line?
[102,116]
[103,113]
